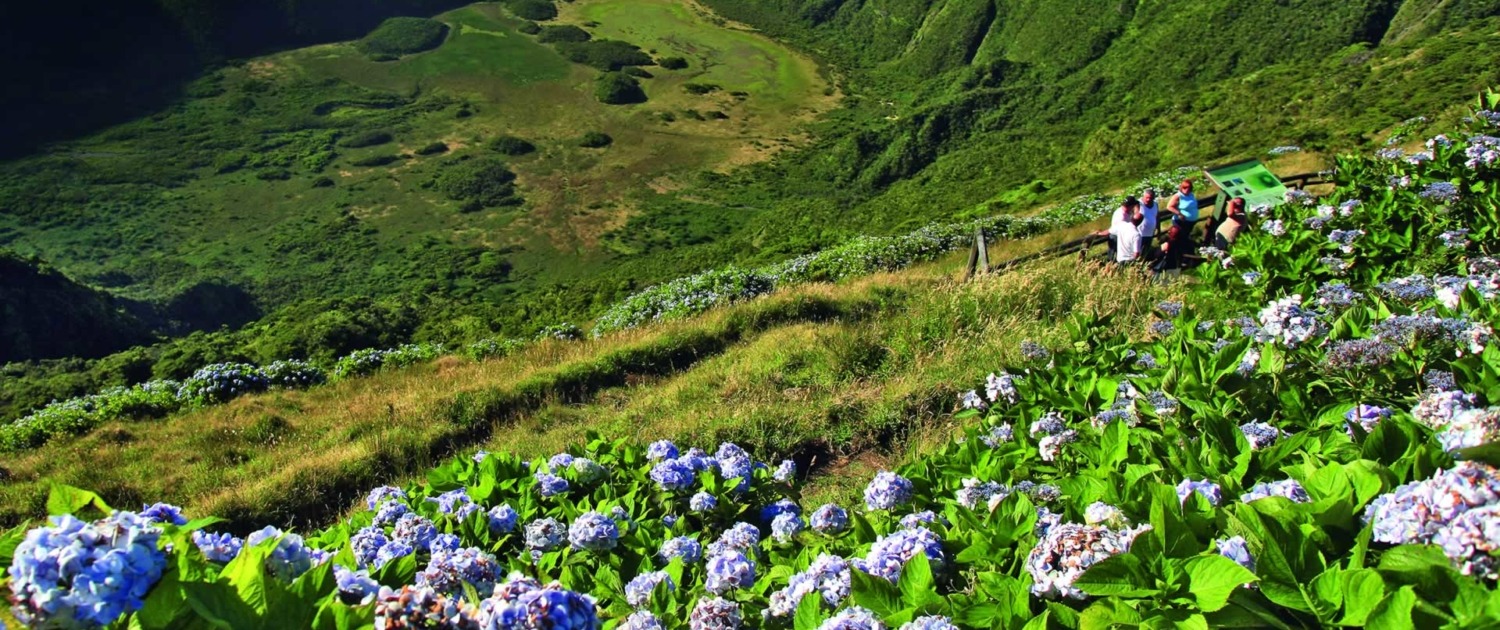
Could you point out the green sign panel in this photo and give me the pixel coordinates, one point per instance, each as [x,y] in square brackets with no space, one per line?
[1249,179]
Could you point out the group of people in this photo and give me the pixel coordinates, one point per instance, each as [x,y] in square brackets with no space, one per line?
[1133,228]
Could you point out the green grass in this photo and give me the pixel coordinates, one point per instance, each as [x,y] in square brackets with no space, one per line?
[849,372]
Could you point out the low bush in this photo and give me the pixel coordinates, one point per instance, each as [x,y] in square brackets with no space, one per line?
[530,28]
[595,140]
[700,88]
[672,63]
[563,33]
[486,182]
[536,10]
[403,36]
[604,54]
[614,88]
[638,72]
[367,139]
[510,145]
[433,149]
[375,160]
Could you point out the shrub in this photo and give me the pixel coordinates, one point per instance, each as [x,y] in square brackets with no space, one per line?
[403,36]
[638,72]
[595,140]
[323,182]
[375,160]
[700,88]
[530,28]
[368,361]
[538,10]
[511,145]
[716,115]
[672,63]
[433,149]
[564,332]
[221,382]
[485,181]
[564,33]
[604,54]
[367,139]
[614,88]
[492,348]
[273,174]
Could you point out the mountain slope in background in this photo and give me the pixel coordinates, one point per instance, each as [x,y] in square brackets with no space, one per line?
[44,314]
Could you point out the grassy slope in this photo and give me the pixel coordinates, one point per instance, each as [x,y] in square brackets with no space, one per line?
[831,373]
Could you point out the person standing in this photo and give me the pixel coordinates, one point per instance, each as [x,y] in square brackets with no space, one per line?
[1234,222]
[1184,209]
[1149,221]
[1124,230]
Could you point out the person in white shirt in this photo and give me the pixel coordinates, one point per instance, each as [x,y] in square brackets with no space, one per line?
[1124,227]
[1149,223]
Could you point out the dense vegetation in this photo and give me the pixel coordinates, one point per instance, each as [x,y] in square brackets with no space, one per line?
[403,36]
[44,314]
[1306,439]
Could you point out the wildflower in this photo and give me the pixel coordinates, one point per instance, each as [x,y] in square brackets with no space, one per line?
[681,547]
[1146,361]
[448,571]
[1001,387]
[887,491]
[830,519]
[703,502]
[661,449]
[891,552]
[1439,380]
[1236,549]
[1408,289]
[638,591]
[355,588]
[1443,192]
[1105,515]
[853,618]
[1348,207]
[545,534]
[1248,362]
[1161,403]
[729,570]
[220,548]
[1335,266]
[1067,550]
[1482,151]
[998,435]
[1366,416]
[72,572]
[786,472]
[1260,434]
[1286,488]
[382,494]
[594,532]
[289,557]
[1206,489]
[549,484]
[1123,414]
[1300,197]
[715,613]
[673,475]
[1399,182]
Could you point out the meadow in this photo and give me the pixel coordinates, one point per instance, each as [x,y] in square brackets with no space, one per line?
[1298,435]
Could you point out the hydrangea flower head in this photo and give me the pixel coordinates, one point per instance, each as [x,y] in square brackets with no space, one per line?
[71,573]
[830,519]
[549,484]
[689,549]
[673,475]
[220,548]
[715,613]
[1286,488]
[638,591]
[853,618]
[786,472]
[887,491]
[729,570]
[1235,549]
[594,532]
[503,518]
[1066,550]
[355,588]
[164,513]
[382,494]
[890,553]
[545,534]
[703,502]
[1260,434]
[661,449]
[786,526]
[448,570]
[288,559]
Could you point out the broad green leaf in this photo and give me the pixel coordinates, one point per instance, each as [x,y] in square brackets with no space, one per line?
[876,594]
[1120,575]
[65,499]
[1327,591]
[1108,613]
[1393,612]
[916,584]
[1212,579]
[166,604]
[246,574]
[217,604]
[809,612]
[1363,590]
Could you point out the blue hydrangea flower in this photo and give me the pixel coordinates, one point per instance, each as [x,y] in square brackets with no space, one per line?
[1235,549]
[1288,488]
[422,607]
[887,491]
[479,456]
[587,471]
[828,576]
[741,537]
[1260,434]
[164,513]
[641,620]
[288,559]
[998,435]
[930,622]
[786,526]
[661,449]
[703,502]
[545,534]
[853,618]
[456,503]
[890,553]
[735,463]
[220,548]
[391,551]
[729,570]
[366,545]
[1066,551]
[447,571]
[975,492]
[925,517]
[1417,511]
[382,494]
[638,591]
[689,549]
[670,520]
[698,460]
[783,506]
[673,475]
[72,573]
[355,588]
[786,472]
[390,512]
[594,532]
[715,613]
[447,542]
[503,518]
[560,461]
[414,530]
[830,519]
[1206,489]
[549,484]
[623,520]
[1366,416]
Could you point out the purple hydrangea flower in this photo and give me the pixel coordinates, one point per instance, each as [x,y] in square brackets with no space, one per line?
[164,513]
[890,553]
[1066,550]
[853,618]
[73,573]
[786,472]
[887,491]
[288,559]
[728,570]
[1235,549]
[220,548]
[550,485]
[1260,434]
[828,576]
[688,549]
[447,571]
[661,449]
[594,532]
[673,475]
[930,622]
[355,588]
[703,502]
[830,519]
[1206,489]
[786,526]
[1286,488]
[715,613]
[545,534]
[382,494]
[638,591]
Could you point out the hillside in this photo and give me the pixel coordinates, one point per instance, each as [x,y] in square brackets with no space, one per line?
[291,209]
[45,314]
[1300,433]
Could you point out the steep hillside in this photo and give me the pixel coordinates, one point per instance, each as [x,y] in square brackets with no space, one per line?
[45,314]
